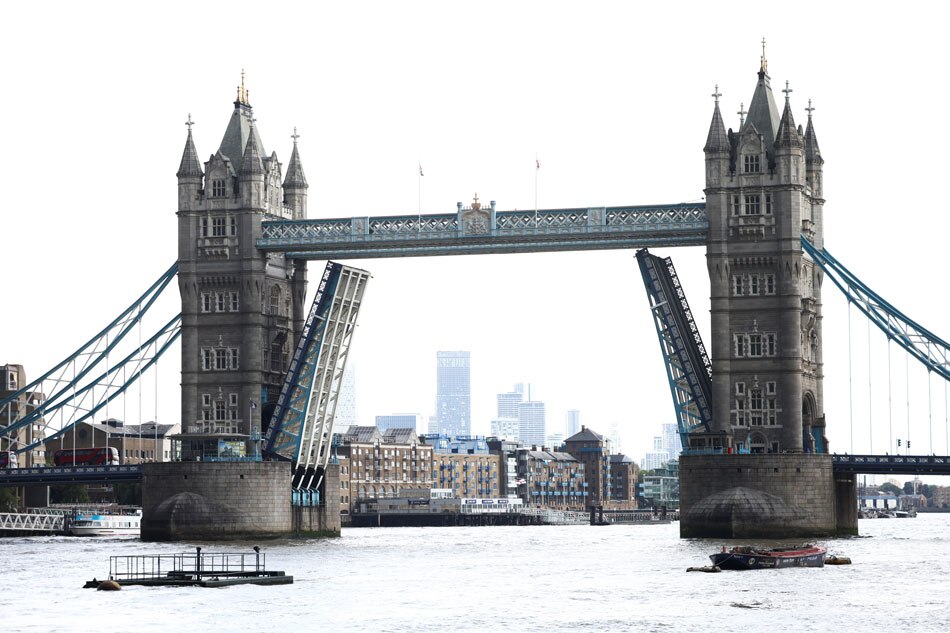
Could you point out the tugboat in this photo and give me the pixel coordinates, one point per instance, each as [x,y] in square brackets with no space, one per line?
[746,557]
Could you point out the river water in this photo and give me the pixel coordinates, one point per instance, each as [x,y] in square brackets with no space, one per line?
[530,578]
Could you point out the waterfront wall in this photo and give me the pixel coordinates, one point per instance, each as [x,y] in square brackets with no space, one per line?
[763,496]
[215,500]
[324,520]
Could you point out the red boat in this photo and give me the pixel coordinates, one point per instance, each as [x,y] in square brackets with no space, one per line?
[746,557]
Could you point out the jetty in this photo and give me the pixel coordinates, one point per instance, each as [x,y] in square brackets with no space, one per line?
[197,569]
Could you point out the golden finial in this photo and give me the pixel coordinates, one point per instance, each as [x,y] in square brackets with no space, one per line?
[764,64]
[242,92]
[476,204]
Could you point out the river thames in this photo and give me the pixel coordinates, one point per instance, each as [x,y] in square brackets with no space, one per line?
[533,578]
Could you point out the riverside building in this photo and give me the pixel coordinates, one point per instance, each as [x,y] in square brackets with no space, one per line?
[376,465]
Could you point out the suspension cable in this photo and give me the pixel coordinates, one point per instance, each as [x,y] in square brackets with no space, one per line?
[870,397]
[930,413]
[890,406]
[907,396]
[850,381]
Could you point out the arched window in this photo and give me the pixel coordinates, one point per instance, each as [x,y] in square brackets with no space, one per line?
[275,300]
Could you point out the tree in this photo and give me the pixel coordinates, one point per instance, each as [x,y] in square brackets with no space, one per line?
[9,501]
[69,493]
[891,488]
[128,494]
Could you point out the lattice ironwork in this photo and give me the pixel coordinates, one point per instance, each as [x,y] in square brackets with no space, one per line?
[512,231]
[688,368]
[301,428]
[76,389]
[928,348]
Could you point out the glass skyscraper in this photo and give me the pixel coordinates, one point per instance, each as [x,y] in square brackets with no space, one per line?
[453,395]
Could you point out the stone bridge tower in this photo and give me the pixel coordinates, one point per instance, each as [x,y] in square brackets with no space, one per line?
[242,310]
[764,191]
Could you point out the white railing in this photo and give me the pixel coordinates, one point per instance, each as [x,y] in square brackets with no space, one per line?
[32,522]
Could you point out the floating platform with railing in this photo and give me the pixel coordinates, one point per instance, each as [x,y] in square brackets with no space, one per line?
[189,569]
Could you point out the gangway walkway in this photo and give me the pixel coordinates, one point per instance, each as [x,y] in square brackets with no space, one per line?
[51,522]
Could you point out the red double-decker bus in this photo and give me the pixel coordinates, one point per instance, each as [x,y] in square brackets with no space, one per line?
[102,456]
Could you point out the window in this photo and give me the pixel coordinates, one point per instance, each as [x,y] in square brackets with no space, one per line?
[768,204]
[220,358]
[275,300]
[752,205]
[753,284]
[737,285]
[207,305]
[770,284]
[232,399]
[220,412]
[234,304]
[740,388]
[770,411]
[735,205]
[206,399]
[740,412]
[218,226]
[755,345]
[751,164]
[217,188]
[770,348]
[740,346]
[204,227]
[220,301]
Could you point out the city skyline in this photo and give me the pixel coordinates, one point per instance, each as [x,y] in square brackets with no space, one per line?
[605,127]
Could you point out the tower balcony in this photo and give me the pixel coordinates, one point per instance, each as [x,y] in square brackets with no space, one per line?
[752,226]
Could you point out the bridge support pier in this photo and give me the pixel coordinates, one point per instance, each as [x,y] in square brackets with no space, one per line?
[322,520]
[215,501]
[772,496]
[846,503]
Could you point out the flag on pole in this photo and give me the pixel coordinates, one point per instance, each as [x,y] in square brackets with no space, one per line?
[253,404]
[537,164]
[420,170]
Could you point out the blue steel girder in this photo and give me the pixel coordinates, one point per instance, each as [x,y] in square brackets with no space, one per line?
[928,348]
[288,422]
[886,464]
[301,429]
[485,230]
[688,368]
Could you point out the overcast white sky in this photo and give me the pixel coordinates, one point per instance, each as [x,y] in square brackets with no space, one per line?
[614,99]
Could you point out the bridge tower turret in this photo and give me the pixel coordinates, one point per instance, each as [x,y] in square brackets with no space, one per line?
[242,309]
[762,193]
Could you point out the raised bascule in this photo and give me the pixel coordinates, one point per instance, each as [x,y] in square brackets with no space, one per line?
[261,374]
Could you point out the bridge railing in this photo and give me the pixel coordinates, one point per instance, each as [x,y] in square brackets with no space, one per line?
[676,220]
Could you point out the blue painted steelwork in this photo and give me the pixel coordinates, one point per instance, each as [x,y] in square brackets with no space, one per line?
[922,344]
[484,230]
[688,368]
[886,464]
[285,434]
[70,474]
[90,355]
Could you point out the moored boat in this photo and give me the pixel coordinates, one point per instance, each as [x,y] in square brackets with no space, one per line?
[746,557]
[106,525]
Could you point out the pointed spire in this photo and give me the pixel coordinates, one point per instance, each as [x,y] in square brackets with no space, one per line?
[190,166]
[716,140]
[251,163]
[295,176]
[763,113]
[812,152]
[787,135]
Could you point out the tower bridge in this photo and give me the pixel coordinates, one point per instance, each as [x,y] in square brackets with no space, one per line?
[261,372]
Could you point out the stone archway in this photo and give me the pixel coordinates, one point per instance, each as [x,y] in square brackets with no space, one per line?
[808,420]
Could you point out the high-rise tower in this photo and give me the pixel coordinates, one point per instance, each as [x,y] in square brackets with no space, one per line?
[242,310]
[763,192]
[453,399]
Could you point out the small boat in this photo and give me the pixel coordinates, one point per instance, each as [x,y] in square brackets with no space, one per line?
[106,525]
[745,557]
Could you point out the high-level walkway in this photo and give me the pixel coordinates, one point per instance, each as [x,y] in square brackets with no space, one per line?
[482,229]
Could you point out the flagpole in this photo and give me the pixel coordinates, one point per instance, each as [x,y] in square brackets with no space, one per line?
[537,168]
[419,222]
